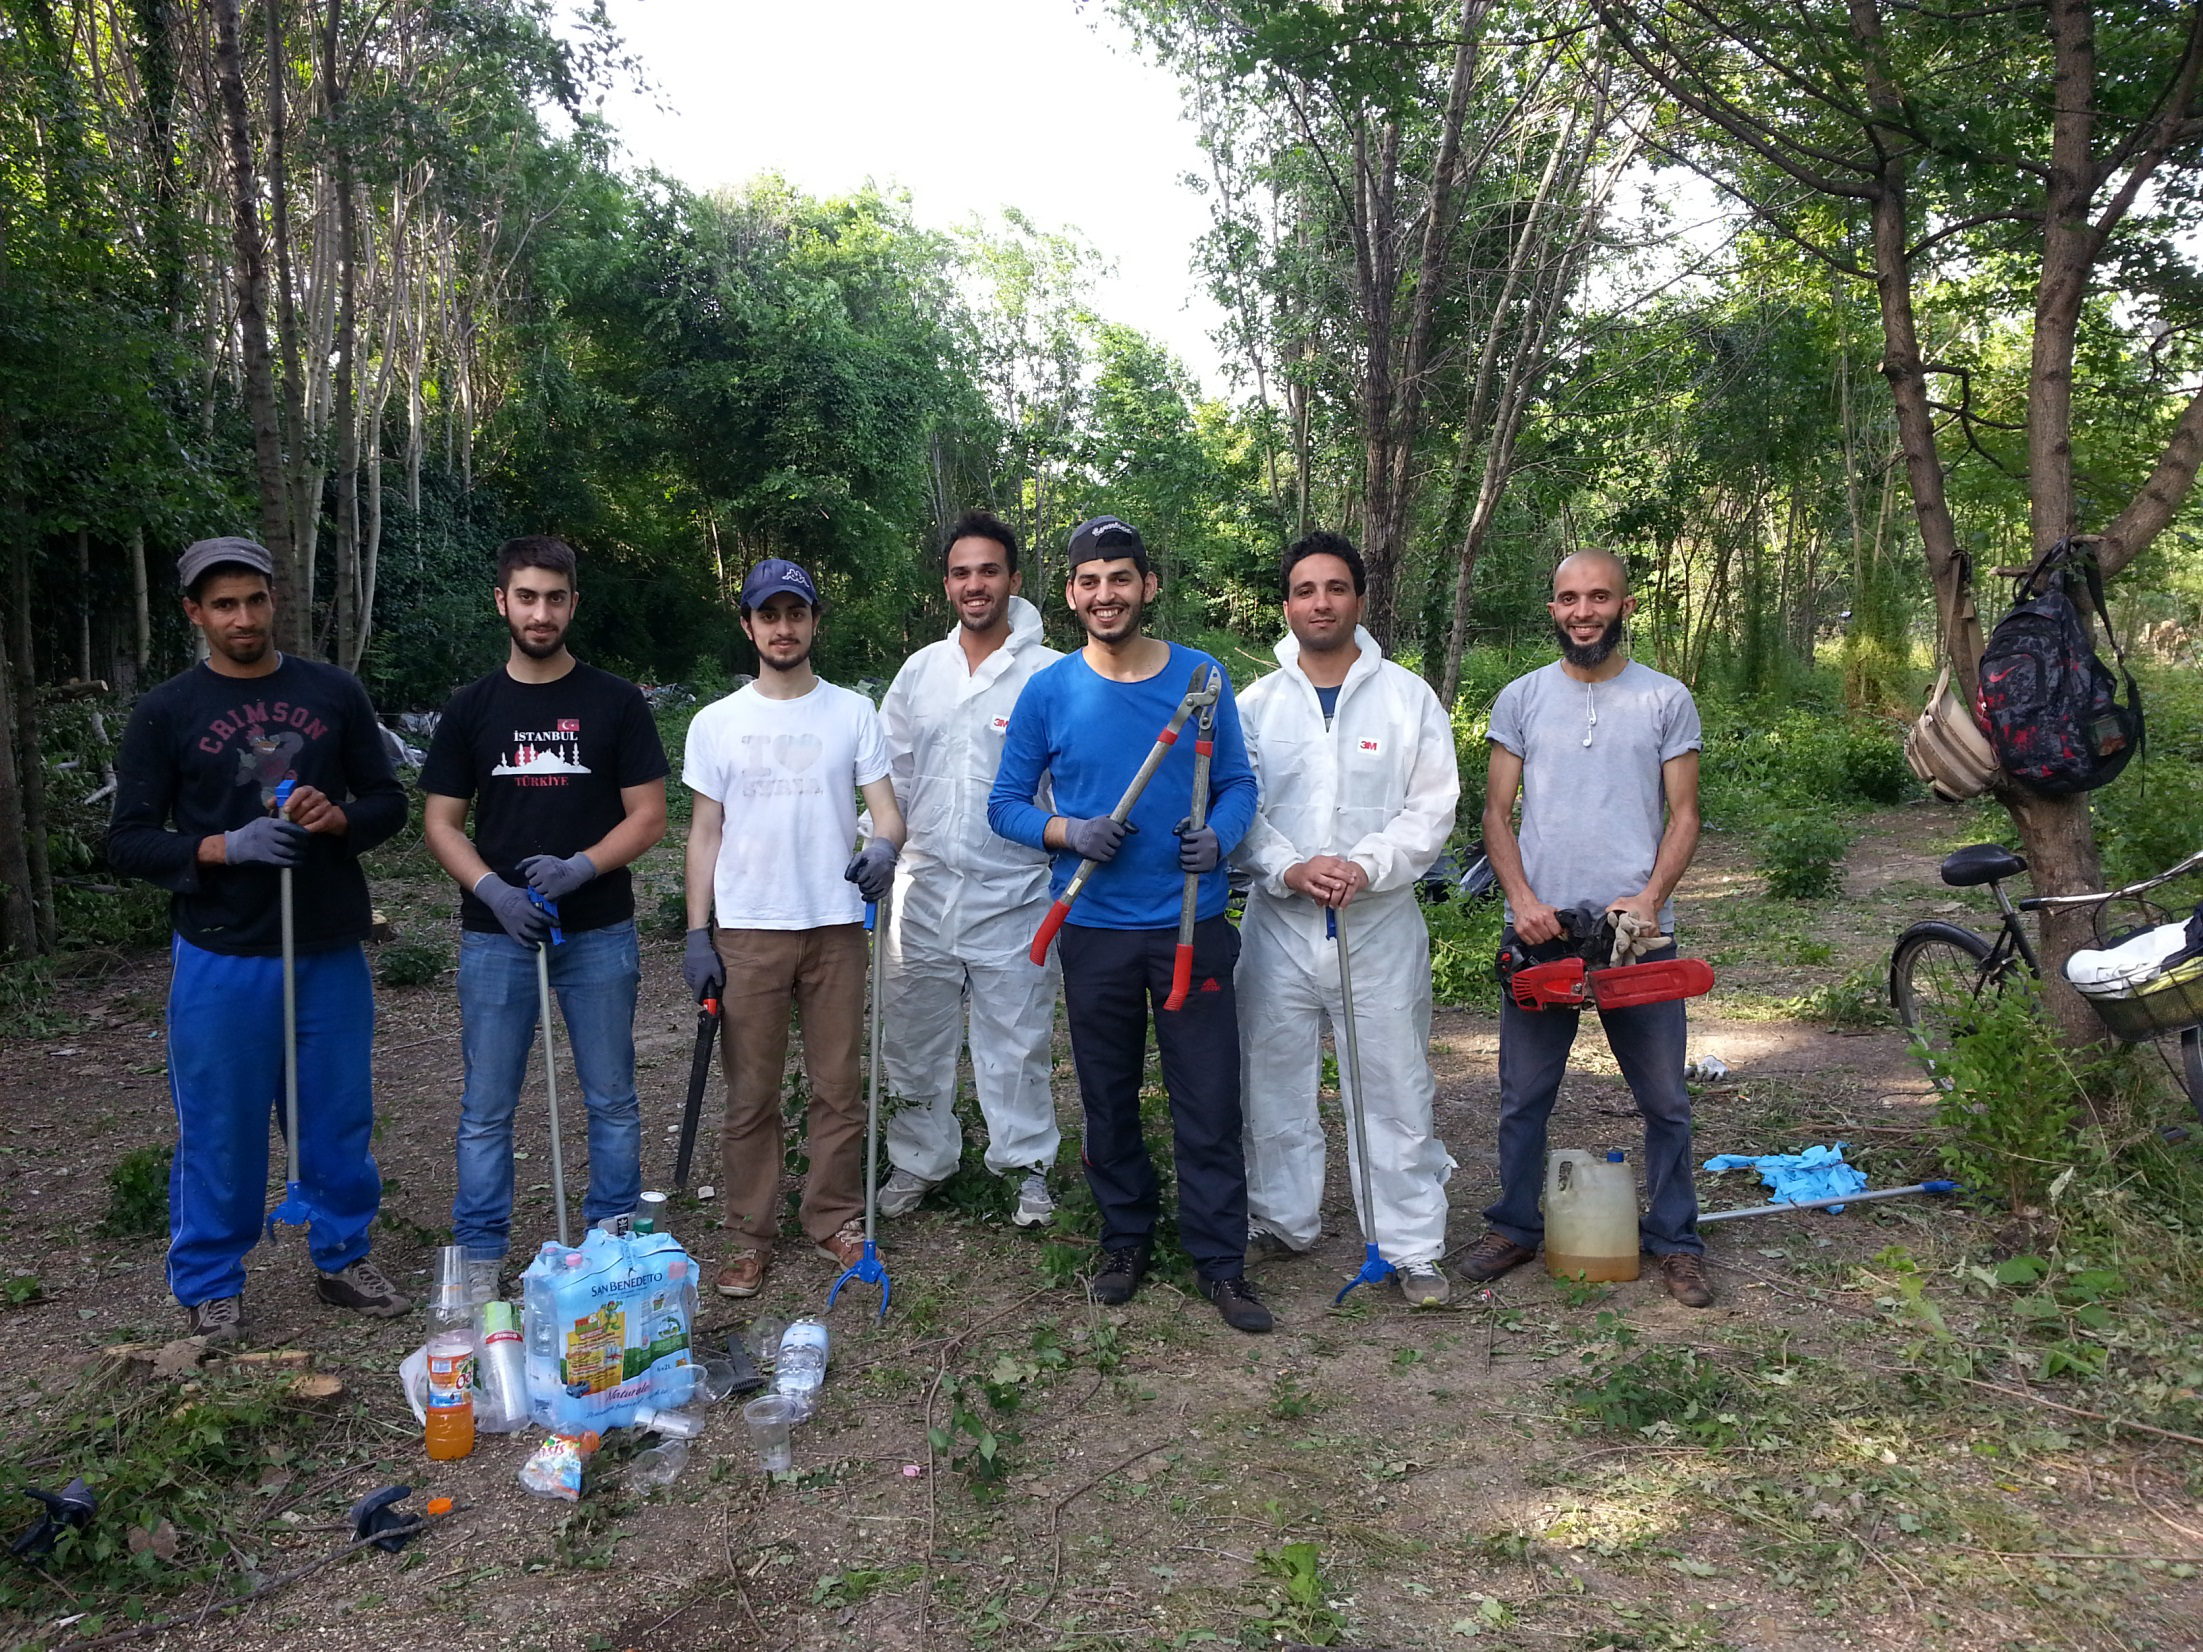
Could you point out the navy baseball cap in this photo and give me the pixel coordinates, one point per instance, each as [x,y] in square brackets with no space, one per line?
[203,554]
[1105,539]
[773,576]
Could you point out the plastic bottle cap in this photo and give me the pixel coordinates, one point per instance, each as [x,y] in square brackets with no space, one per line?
[1614,1155]
[439,1505]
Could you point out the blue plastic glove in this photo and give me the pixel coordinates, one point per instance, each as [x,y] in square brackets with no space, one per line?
[554,879]
[1097,839]
[1198,850]
[702,967]
[267,841]
[522,919]
[873,870]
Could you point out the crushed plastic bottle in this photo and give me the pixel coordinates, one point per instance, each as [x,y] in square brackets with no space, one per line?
[661,1465]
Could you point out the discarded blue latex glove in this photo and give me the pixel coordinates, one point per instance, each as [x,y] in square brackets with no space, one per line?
[1793,1178]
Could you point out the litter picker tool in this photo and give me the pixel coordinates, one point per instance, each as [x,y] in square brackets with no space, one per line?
[699,1069]
[550,1059]
[294,1211]
[869,1267]
[1121,813]
[1706,1216]
[1204,743]
[1375,1270]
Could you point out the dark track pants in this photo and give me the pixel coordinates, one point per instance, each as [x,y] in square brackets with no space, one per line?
[1110,978]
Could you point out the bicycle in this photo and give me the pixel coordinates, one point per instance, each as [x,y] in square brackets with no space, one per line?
[1938,971]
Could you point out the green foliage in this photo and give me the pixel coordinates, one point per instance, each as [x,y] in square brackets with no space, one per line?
[137,1193]
[2010,1101]
[2152,816]
[1298,1609]
[411,963]
[1621,1382]
[20,1290]
[1464,940]
[1802,855]
[1807,758]
[1857,1001]
[174,1475]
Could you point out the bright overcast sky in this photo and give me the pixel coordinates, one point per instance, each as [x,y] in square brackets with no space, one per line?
[970,105]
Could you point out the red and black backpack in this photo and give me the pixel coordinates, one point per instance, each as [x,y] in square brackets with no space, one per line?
[2049,704]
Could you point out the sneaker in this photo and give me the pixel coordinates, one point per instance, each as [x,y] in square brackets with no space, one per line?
[221,1320]
[1265,1246]
[1236,1301]
[363,1288]
[1684,1272]
[1424,1284]
[1493,1255]
[744,1274]
[1034,1203]
[1122,1269]
[485,1278]
[900,1194]
[844,1247]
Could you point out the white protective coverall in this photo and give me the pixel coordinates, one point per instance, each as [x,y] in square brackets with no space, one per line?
[1379,788]
[965,908]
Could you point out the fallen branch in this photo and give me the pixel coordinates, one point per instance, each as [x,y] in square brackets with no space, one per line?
[1055,1516]
[2074,1411]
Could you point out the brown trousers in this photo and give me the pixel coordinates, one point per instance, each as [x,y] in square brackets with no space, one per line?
[820,972]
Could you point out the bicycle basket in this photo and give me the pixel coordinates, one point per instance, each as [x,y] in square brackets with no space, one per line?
[2137,987]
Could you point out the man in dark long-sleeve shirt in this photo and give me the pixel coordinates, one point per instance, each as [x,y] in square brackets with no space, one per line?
[195,813]
[1087,722]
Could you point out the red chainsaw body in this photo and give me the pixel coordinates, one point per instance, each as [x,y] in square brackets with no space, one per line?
[1566,984]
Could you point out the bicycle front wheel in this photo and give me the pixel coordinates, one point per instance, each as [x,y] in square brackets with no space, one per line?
[1935,979]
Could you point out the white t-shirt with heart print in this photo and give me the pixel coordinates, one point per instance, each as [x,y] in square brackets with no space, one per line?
[787,773]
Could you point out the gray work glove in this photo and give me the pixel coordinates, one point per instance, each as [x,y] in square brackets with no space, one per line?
[267,841]
[1198,850]
[1097,839]
[873,870]
[702,967]
[554,879]
[520,917]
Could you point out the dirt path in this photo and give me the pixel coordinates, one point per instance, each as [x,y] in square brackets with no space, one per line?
[1163,1469]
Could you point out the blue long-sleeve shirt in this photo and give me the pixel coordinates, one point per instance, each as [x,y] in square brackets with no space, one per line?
[1090,735]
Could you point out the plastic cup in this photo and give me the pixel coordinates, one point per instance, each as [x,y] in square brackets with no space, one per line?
[765,1333]
[769,1420]
[451,1278]
[714,1381]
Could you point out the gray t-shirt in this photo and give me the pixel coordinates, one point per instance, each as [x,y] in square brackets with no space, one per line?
[1592,804]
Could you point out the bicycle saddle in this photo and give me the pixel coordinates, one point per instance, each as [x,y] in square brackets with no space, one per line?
[1980,863]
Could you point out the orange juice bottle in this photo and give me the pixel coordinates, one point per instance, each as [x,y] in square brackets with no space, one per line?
[450,1393]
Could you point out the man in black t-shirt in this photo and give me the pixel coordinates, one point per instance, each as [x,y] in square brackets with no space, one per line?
[567,776]
[195,813]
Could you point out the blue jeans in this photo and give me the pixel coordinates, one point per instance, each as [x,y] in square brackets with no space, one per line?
[1648,1042]
[225,1075]
[595,974]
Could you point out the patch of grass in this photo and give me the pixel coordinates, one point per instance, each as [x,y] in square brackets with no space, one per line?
[137,1193]
[412,963]
[1298,1608]
[1619,1381]
[2011,1101]
[1857,1001]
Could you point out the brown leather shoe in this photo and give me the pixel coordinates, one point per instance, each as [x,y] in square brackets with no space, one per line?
[744,1274]
[1685,1274]
[844,1247]
[1491,1256]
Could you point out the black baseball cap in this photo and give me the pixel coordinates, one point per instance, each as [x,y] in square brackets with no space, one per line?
[1105,539]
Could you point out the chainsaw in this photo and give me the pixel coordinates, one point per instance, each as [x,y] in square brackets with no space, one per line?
[1569,971]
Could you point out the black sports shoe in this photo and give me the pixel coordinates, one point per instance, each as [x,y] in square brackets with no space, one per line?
[1122,1269]
[1236,1301]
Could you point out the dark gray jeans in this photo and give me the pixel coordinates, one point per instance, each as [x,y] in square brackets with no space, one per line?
[1533,1054]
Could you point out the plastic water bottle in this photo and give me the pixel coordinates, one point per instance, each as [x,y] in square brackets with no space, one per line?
[450,1428]
[502,1371]
[801,1369]
[537,1285]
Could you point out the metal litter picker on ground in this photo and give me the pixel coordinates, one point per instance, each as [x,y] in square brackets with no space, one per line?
[1121,813]
[1706,1216]
[294,1211]
[550,1060]
[1204,744]
[869,1267]
[1375,1270]
[699,1070]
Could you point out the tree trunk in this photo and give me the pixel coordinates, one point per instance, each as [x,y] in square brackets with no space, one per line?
[83,605]
[294,621]
[252,315]
[141,610]
[30,763]
[351,616]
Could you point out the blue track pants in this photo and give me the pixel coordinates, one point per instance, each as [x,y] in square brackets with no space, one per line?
[225,1075]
